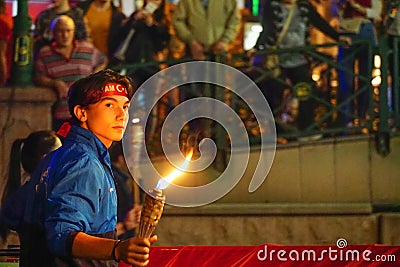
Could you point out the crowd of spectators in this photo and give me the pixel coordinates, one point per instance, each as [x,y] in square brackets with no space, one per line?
[103,35]
[43,34]
[295,67]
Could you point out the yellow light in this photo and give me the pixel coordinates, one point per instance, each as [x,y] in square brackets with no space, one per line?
[376,81]
[377,61]
[315,77]
[376,72]
[166,181]
[334,83]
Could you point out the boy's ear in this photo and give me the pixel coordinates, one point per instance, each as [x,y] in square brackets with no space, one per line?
[80,113]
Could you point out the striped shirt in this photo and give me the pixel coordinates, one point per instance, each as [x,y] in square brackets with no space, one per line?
[83,61]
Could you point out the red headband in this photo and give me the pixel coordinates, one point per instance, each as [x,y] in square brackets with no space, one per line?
[114,89]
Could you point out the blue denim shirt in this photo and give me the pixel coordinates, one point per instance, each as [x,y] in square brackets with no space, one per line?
[81,193]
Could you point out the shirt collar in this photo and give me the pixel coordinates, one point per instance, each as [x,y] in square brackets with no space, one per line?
[84,136]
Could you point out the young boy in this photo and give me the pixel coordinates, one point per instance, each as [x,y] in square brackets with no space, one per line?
[81,204]
[66,214]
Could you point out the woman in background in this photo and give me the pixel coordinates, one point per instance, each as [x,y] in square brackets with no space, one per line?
[149,29]
[362,14]
[26,153]
[294,67]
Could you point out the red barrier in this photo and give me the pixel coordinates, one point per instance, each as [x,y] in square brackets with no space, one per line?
[274,255]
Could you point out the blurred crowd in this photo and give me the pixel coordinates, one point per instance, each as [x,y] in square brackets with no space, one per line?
[73,41]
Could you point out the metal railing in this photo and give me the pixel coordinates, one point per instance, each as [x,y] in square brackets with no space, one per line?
[382,115]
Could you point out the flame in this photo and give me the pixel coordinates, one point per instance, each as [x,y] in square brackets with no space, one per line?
[166,181]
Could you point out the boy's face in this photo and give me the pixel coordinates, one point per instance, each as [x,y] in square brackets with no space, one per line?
[108,118]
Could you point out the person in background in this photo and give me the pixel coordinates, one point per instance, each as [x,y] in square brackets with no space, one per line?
[363,13]
[207,27]
[391,21]
[26,153]
[104,20]
[145,35]
[43,34]
[66,60]
[4,16]
[6,27]
[294,66]
[150,38]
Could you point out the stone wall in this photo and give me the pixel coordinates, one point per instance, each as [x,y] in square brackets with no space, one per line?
[285,224]
[22,111]
[332,170]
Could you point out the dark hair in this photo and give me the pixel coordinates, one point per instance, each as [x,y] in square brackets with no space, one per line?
[89,90]
[159,14]
[28,152]
[37,145]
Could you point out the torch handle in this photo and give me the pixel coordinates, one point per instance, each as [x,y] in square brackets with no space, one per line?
[152,209]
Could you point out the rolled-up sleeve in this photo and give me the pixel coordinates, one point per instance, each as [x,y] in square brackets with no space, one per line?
[73,202]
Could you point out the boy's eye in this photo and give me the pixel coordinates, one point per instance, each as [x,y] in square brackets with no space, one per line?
[109,105]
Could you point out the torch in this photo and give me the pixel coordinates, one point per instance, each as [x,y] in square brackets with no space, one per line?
[154,201]
[152,209]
